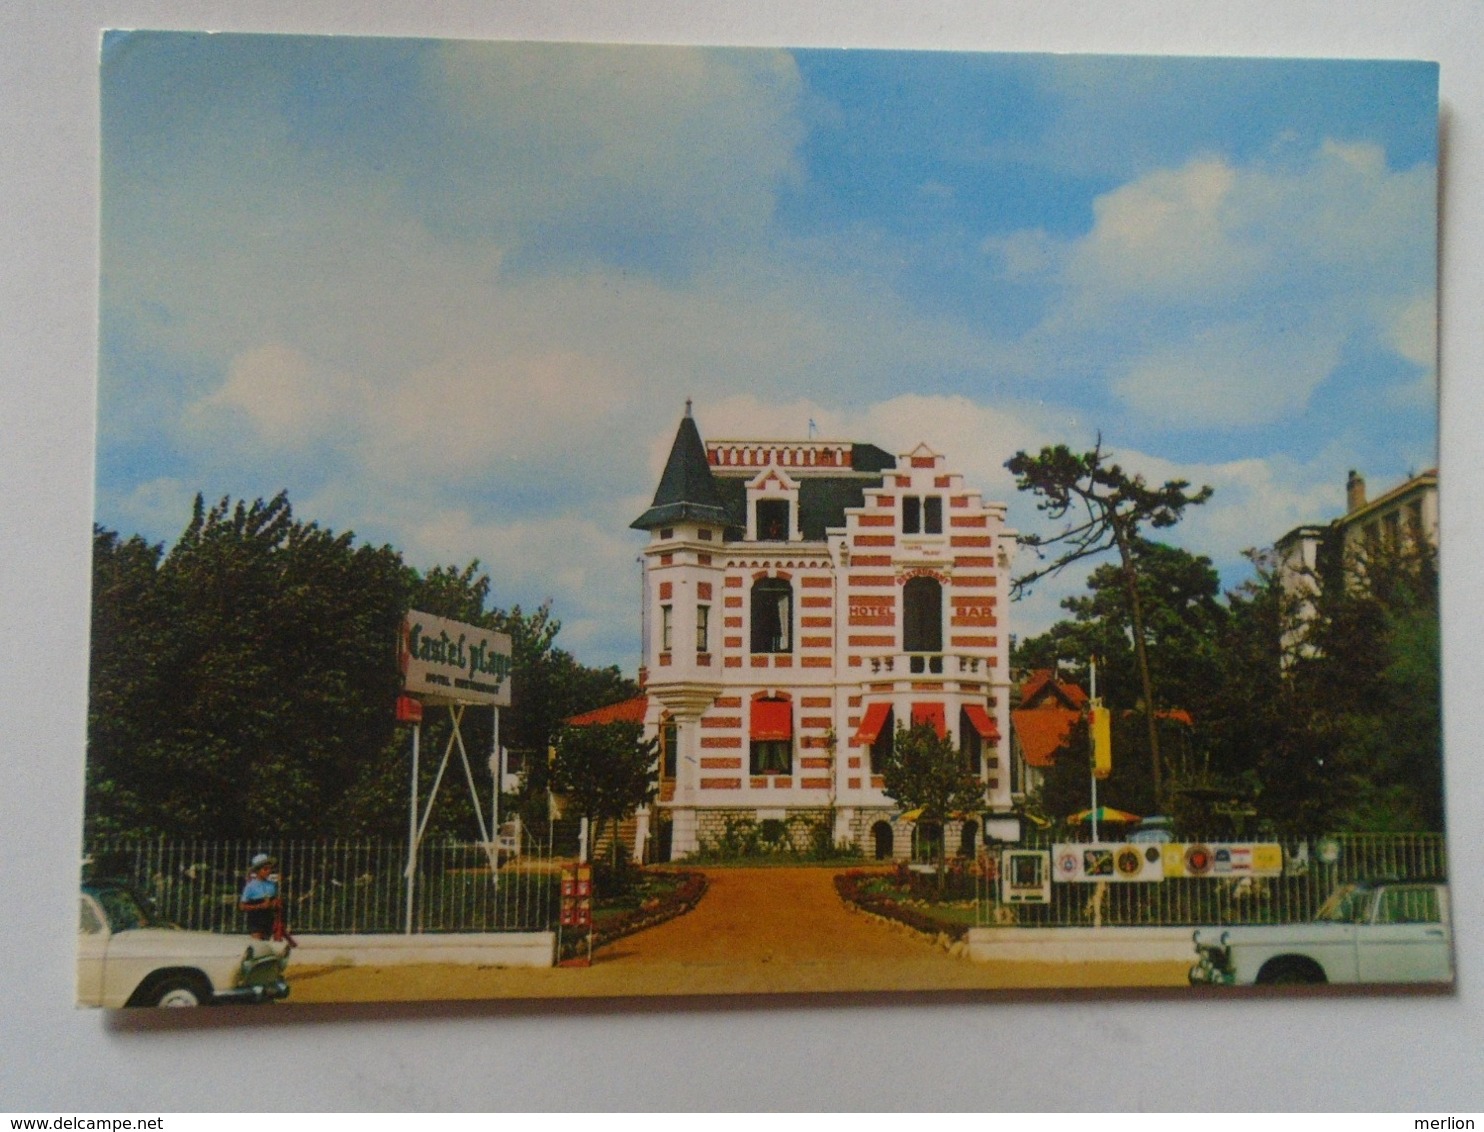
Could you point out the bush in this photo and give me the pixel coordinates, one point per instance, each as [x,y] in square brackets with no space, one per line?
[799,838]
[880,895]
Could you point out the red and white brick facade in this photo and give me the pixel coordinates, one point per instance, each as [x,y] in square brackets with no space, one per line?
[775,642]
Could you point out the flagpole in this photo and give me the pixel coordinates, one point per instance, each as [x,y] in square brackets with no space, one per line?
[1091,742]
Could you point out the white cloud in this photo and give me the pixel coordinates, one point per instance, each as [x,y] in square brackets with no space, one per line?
[585,562]
[696,137]
[1412,330]
[1025,254]
[464,415]
[285,398]
[1221,294]
[1164,233]
[162,504]
[1229,375]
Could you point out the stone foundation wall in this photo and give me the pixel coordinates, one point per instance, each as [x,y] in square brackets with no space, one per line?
[717,827]
[863,825]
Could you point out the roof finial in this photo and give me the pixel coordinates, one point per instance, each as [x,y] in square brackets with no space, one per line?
[687,406]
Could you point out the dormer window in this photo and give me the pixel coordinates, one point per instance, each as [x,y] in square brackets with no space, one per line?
[772,507]
[772,520]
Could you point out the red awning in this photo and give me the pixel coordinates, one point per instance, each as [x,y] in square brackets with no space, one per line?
[982,723]
[930,713]
[871,726]
[772,719]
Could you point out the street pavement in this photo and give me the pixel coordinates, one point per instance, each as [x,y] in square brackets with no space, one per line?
[756,931]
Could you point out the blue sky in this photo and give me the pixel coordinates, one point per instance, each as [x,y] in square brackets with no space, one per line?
[453,296]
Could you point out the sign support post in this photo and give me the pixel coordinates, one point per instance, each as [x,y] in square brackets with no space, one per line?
[457,665]
[497,770]
[417,730]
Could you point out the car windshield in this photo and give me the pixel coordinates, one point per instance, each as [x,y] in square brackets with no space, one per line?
[1346,905]
[124,910]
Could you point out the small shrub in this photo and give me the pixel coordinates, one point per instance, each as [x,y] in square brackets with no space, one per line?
[773,835]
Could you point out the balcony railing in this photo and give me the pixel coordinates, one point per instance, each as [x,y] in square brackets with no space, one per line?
[929,664]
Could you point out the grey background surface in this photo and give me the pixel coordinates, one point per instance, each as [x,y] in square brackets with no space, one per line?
[1365,1052]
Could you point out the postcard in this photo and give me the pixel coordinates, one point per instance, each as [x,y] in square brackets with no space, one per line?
[591,521]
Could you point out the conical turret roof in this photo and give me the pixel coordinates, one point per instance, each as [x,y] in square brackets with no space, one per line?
[687,491]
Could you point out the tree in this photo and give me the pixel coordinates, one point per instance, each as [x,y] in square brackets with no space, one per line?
[1367,688]
[606,771]
[1103,508]
[242,683]
[924,772]
[241,680]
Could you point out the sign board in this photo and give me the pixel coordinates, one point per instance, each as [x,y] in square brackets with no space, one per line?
[1110,861]
[577,896]
[1223,859]
[453,662]
[1025,876]
[1101,725]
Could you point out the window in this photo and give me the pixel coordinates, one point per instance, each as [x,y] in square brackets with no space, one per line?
[772,756]
[772,737]
[1393,523]
[973,744]
[772,520]
[922,515]
[922,616]
[703,624]
[772,615]
[667,627]
[911,514]
[1409,906]
[669,743]
[932,515]
[881,745]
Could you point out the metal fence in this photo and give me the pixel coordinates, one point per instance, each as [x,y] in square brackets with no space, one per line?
[1312,869]
[349,886]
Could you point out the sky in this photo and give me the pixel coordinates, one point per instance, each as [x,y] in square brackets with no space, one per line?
[453,296]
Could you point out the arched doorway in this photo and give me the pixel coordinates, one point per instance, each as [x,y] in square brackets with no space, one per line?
[967,839]
[929,841]
[881,835]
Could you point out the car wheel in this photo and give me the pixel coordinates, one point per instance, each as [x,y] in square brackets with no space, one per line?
[1289,973]
[181,992]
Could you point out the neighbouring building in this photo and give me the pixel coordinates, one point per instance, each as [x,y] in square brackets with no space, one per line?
[802,598]
[1407,515]
[1047,710]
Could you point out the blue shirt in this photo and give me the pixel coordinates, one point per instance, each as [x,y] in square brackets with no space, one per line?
[256,890]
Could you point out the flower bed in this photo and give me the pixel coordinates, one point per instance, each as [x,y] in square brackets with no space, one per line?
[881,895]
[658,897]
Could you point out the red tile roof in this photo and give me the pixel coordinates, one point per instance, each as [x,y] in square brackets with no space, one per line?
[1042,731]
[629,711]
[1042,683]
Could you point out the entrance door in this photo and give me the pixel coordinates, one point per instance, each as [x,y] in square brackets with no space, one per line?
[881,835]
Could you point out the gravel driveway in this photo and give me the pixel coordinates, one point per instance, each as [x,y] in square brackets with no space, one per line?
[755,931]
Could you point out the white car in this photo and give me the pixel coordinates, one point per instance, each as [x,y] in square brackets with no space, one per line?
[127,958]
[1364,933]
